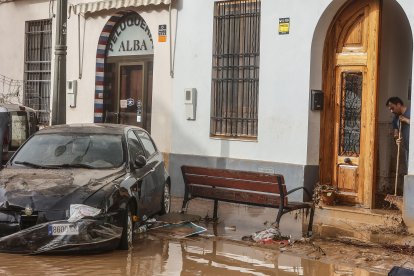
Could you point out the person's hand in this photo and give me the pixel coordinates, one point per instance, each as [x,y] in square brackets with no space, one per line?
[404,119]
[398,141]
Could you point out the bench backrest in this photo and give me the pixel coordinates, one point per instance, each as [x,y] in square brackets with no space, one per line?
[258,183]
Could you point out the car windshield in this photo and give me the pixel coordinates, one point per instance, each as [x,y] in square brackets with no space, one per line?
[71,150]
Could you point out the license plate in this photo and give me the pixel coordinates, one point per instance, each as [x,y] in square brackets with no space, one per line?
[60,229]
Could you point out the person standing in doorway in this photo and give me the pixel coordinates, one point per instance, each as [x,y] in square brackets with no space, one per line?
[402,116]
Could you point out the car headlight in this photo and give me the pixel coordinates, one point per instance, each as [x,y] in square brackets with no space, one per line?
[79,211]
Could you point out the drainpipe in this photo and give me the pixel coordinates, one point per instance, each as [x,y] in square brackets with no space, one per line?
[59,80]
[171,51]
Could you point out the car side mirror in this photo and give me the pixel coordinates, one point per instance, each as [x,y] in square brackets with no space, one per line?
[140,161]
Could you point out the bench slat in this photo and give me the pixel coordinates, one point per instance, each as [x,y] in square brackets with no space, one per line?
[254,176]
[235,196]
[241,184]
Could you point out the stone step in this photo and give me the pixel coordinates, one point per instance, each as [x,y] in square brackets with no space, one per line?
[343,222]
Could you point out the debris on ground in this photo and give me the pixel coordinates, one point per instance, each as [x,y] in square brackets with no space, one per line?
[231,228]
[270,235]
[180,230]
[396,200]
[404,249]
[176,225]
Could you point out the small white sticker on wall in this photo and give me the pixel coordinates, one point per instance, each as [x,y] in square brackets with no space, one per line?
[138,119]
[123,103]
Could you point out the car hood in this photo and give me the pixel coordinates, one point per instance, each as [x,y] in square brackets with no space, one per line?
[51,189]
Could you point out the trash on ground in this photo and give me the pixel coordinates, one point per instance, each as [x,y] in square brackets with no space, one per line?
[268,236]
[141,229]
[180,230]
[231,228]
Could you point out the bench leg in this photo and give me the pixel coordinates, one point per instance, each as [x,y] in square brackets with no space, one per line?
[184,207]
[311,221]
[215,209]
[279,216]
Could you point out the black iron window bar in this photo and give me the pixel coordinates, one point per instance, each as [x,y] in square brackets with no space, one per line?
[37,67]
[235,82]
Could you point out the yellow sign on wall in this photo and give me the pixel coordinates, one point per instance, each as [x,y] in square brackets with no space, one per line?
[162,33]
[284,25]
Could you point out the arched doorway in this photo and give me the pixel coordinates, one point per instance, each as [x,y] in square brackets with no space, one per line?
[124,72]
[367,58]
[349,118]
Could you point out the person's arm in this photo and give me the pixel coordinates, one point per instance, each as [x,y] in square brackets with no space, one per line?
[404,119]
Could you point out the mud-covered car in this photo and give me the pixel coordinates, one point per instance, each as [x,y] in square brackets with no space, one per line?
[72,187]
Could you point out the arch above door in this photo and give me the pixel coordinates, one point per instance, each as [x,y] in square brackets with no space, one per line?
[124,66]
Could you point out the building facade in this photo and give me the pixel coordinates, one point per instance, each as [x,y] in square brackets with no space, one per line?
[235,84]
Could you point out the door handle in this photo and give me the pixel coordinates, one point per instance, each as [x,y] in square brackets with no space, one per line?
[347,160]
[152,170]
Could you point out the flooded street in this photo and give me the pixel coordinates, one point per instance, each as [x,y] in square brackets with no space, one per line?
[159,256]
[218,251]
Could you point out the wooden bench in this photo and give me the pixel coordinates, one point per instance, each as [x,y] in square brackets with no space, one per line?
[251,188]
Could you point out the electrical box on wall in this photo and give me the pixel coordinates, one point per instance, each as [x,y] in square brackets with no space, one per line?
[190,103]
[71,91]
[316,100]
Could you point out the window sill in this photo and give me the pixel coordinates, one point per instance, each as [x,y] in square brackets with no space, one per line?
[229,138]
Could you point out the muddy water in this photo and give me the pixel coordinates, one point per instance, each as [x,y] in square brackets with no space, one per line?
[154,255]
[158,254]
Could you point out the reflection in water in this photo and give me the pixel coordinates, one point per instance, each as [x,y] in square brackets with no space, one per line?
[154,255]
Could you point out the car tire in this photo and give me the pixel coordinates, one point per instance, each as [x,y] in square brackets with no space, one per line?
[166,200]
[127,230]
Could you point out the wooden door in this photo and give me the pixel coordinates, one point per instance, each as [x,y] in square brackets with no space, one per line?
[131,97]
[348,131]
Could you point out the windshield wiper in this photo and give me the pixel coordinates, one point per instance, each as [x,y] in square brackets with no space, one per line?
[75,165]
[29,164]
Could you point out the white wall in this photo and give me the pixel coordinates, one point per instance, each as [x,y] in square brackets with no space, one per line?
[284,83]
[13,16]
[408,7]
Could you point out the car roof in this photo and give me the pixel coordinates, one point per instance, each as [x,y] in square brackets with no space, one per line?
[88,128]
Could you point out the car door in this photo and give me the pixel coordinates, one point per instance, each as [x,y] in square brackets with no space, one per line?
[155,161]
[144,185]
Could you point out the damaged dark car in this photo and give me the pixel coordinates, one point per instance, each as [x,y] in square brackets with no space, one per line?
[81,187]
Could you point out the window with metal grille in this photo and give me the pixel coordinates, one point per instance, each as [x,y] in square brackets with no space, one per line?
[37,66]
[235,83]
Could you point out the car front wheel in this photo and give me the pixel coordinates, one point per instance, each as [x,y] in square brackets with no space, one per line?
[127,231]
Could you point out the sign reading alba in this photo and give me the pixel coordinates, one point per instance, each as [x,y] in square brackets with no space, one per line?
[131,36]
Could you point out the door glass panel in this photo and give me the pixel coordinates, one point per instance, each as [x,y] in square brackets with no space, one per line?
[350,114]
[131,99]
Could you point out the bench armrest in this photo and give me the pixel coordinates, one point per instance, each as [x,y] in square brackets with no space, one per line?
[298,188]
